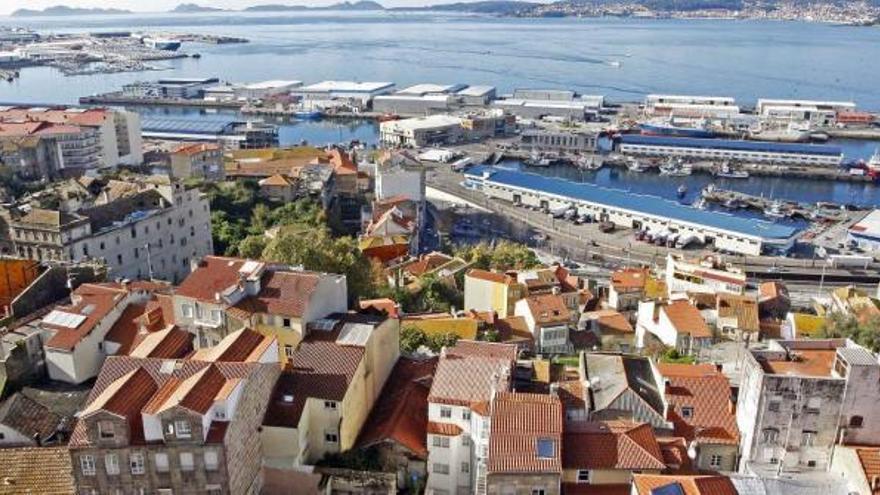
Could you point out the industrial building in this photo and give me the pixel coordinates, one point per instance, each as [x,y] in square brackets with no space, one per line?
[684,105]
[328,94]
[247,92]
[231,134]
[726,232]
[445,129]
[837,106]
[555,139]
[540,103]
[726,149]
[177,87]
[866,232]
[428,99]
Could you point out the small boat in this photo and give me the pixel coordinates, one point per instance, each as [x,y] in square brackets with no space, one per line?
[588,163]
[162,44]
[682,190]
[635,166]
[308,114]
[700,203]
[675,169]
[727,172]
[733,204]
[775,211]
[538,160]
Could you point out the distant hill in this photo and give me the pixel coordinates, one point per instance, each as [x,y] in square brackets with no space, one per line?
[192,8]
[479,7]
[63,10]
[361,5]
[274,8]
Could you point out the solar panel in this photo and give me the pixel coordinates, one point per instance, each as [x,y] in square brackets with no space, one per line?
[546,447]
[354,334]
[670,489]
[63,319]
[324,324]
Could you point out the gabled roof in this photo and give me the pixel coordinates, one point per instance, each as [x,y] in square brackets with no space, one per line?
[283,293]
[170,343]
[214,275]
[28,417]
[526,434]
[400,414]
[427,263]
[548,309]
[612,445]
[92,302]
[869,461]
[611,375]
[242,346]
[708,398]
[468,372]
[652,484]
[279,180]
[686,318]
[54,475]
[742,307]
[498,278]
[609,322]
[125,331]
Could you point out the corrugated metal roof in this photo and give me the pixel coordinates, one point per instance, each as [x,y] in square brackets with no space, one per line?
[730,144]
[159,124]
[648,205]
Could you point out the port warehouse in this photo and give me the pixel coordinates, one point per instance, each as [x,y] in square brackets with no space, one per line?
[866,232]
[728,149]
[231,133]
[725,231]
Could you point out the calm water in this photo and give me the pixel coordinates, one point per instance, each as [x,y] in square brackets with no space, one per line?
[745,59]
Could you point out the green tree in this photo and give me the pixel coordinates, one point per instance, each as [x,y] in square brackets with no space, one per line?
[227,232]
[863,332]
[671,355]
[490,335]
[438,341]
[411,338]
[261,219]
[252,246]
[503,255]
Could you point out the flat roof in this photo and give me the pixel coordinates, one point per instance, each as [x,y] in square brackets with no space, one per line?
[690,97]
[640,203]
[422,122]
[187,80]
[730,144]
[349,86]
[479,90]
[767,101]
[421,89]
[412,97]
[567,104]
[810,362]
[868,225]
[195,126]
[272,84]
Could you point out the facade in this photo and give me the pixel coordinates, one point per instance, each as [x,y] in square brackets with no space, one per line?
[491,291]
[797,399]
[707,275]
[726,232]
[171,87]
[723,149]
[329,94]
[548,319]
[677,324]
[223,295]
[539,103]
[468,376]
[400,179]
[324,397]
[198,161]
[558,140]
[765,106]
[444,129]
[656,103]
[176,426]
[151,234]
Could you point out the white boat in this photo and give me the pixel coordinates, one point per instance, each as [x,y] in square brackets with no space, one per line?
[792,133]
[676,169]
[162,44]
[588,163]
[775,211]
[700,203]
[635,166]
[682,190]
[729,173]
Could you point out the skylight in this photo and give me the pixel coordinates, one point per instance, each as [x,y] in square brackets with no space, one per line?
[546,448]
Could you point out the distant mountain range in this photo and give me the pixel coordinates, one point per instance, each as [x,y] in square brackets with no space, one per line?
[191,8]
[63,10]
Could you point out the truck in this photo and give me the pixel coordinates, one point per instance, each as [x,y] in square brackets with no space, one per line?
[558,211]
[606,227]
[849,261]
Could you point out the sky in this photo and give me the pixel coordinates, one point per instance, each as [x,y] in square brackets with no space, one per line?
[8,6]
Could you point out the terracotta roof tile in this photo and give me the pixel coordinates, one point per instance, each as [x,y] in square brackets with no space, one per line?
[644,484]
[869,459]
[53,477]
[686,318]
[596,489]
[94,301]
[629,279]
[466,372]
[214,275]
[619,445]
[400,414]
[282,293]
[125,331]
[526,434]
[743,308]
[28,417]
[498,278]
[445,429]
[700,408]
[548,309]
[675,454]
[170,343]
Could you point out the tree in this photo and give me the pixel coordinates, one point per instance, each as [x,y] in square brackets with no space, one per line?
[261,219]
[863,332]
[490,335]
[252,246]
[299,212]
[411,338]
[503,255]
[316,250]
[671,355]
[227,232]
[438,341]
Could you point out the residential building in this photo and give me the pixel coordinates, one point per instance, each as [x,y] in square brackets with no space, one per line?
[622,387]
[677,324]
[399,176]
[492,291]
[774,300]
[859,466]
[797,399]
[398,423]
[701,409]
[176,426]
[706,275]
[333,379]
[612,329]
[735,317]
[35,150]
[468,376]
[25,422]
[153,233]
[548,319]
[198,161]
[608,454]
[525,445]
[685,484]
[53,477]
[629,286]
[279,188]
[223,295]
[443,129]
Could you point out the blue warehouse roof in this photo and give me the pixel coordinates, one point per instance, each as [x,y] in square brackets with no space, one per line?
[189,126]
[730,144]
[649,205]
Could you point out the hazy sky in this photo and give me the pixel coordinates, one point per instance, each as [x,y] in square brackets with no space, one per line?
[7,6]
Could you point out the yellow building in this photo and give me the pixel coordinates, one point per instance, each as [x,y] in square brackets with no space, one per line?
[442,324]
[491,291]
[324,397]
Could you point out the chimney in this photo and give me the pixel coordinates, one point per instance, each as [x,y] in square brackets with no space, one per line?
[554,389]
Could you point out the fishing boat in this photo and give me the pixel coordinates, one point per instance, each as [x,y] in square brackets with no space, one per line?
[682,190]
[700,203]
[733,204]
[776,211]
[538,160]
[727,172]
[672,128]
[873,166]
[674,168]
[588,163]
[162,44]
[635,166]
[308,114]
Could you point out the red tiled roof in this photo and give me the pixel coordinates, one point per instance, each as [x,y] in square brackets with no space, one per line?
[629,279]
[427,262]
[214,275]
[445,429]
[400,414]
[675,454]
[467,371]
[548,309]
[498,278]
[686,370]
[387,305]
[94,301]
[170,343]
[612,445]
[686,318]
[243,345]
[869,458]
[519,423]
[282,293]
[194,148]
[125,331]
[644,484]
[591,489]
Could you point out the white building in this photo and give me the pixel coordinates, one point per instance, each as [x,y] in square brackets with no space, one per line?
[653,100]
[677,324]
[399,179]
[260,90]
[836,106]
[707,275]
[444,129]
[328,94]
[798,399]
[548,319]
[866,232]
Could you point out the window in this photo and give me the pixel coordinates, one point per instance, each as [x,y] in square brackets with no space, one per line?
[106,430]
[161,461]
[136,461]
[466,414]
[119,259]
[212,460]
[545,448]
[329,404]
[215,315]
[687,412]
[814,404]
[465,467]
[183,429]
[769,435]
[331,437]
[538,491]
[440,441]
[856,422]
[445,412]
[466,441]
[439,468]
[773,406]
[286,322]
[111,464]
[187,310]
[583,475]
[715,461]
[288,351]
[187,461]
[808,438]
[87,465]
